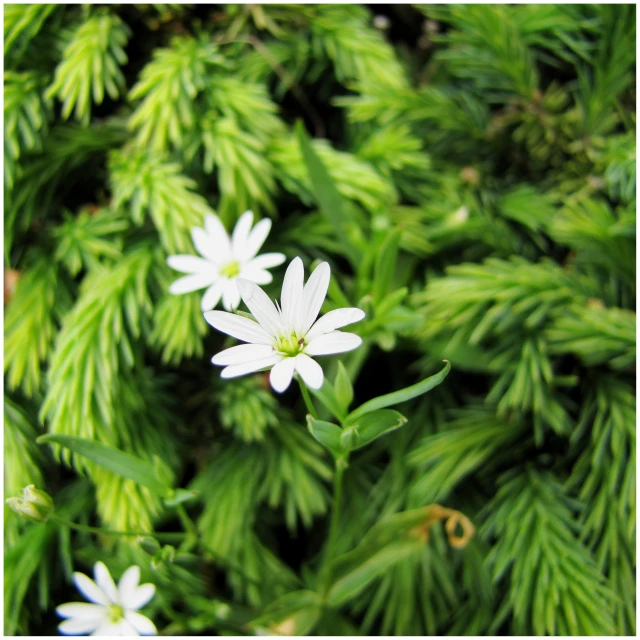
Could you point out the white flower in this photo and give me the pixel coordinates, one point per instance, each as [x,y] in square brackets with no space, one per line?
[224,260]
[285,337]
[114,611]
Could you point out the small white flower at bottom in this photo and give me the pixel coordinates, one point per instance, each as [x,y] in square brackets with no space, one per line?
[283,338]
[114,611]
[224,260]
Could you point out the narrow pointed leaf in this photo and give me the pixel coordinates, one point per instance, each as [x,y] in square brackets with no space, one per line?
[402,395]
[123,464]
[385,265]
[330,201]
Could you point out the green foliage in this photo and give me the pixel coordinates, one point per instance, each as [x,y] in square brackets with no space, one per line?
[31,321]
[468,172]
[89,66]
[531,512]
[168,85]
[24,118]
[150,185]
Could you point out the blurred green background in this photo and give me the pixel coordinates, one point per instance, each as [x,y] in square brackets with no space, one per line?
[494,144]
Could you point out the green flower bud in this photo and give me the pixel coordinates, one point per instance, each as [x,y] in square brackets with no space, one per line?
[34,505]
[149,545]
[350,438]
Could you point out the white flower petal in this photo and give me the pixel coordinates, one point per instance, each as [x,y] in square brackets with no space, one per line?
[193,282]
[189,264]
[292,299]
[315,291]
[238,326]
[334,342]
[240,236]
[105,581]
[256,239]
[310,371]
[261,307]
[120,628]
[141,623]
[140,596]
[256,274]
[334,320]
[128,584]
[233,371]
[267,260]
[107,628]
[78,626]
[202,243]
[220,245]
[211,296]
[282,374]
[242,353]
[230,295]
[89,589]
[82,610]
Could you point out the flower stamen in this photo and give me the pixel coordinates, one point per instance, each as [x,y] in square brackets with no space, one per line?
[230,270]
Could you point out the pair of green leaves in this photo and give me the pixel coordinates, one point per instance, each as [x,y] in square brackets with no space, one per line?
[153,475]
[369,421]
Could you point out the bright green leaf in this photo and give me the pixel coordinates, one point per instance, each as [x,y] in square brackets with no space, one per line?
[402,395]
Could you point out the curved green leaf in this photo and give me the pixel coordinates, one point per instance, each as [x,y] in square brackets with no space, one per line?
[116,461]
[397,397]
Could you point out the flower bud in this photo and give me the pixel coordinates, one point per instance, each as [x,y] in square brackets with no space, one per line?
[34,505]
[350,438]
[149,545]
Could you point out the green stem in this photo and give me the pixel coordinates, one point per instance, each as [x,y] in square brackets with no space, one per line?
[109,532]
[190,527]
[341,465]
[307,399]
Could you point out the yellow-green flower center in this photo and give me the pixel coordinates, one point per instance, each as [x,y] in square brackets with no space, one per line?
[230,270]
[290,344]
[115,613]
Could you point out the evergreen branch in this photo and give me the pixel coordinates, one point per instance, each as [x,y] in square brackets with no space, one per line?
[89,66]
[168,87]
[86,239]
[44,179]
[357,51]
[25,119]
[604,479]
[245,175]
[590,227]
[31,323]
[596,335]
[97,339]
[471,443]
[531,520]
[354,179]
[247,409]
[480,302]
[22,23]
[148,184]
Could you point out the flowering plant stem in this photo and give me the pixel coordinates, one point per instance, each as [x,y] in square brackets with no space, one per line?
[336,504]
[307,398]
[108,532]
[190,528]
